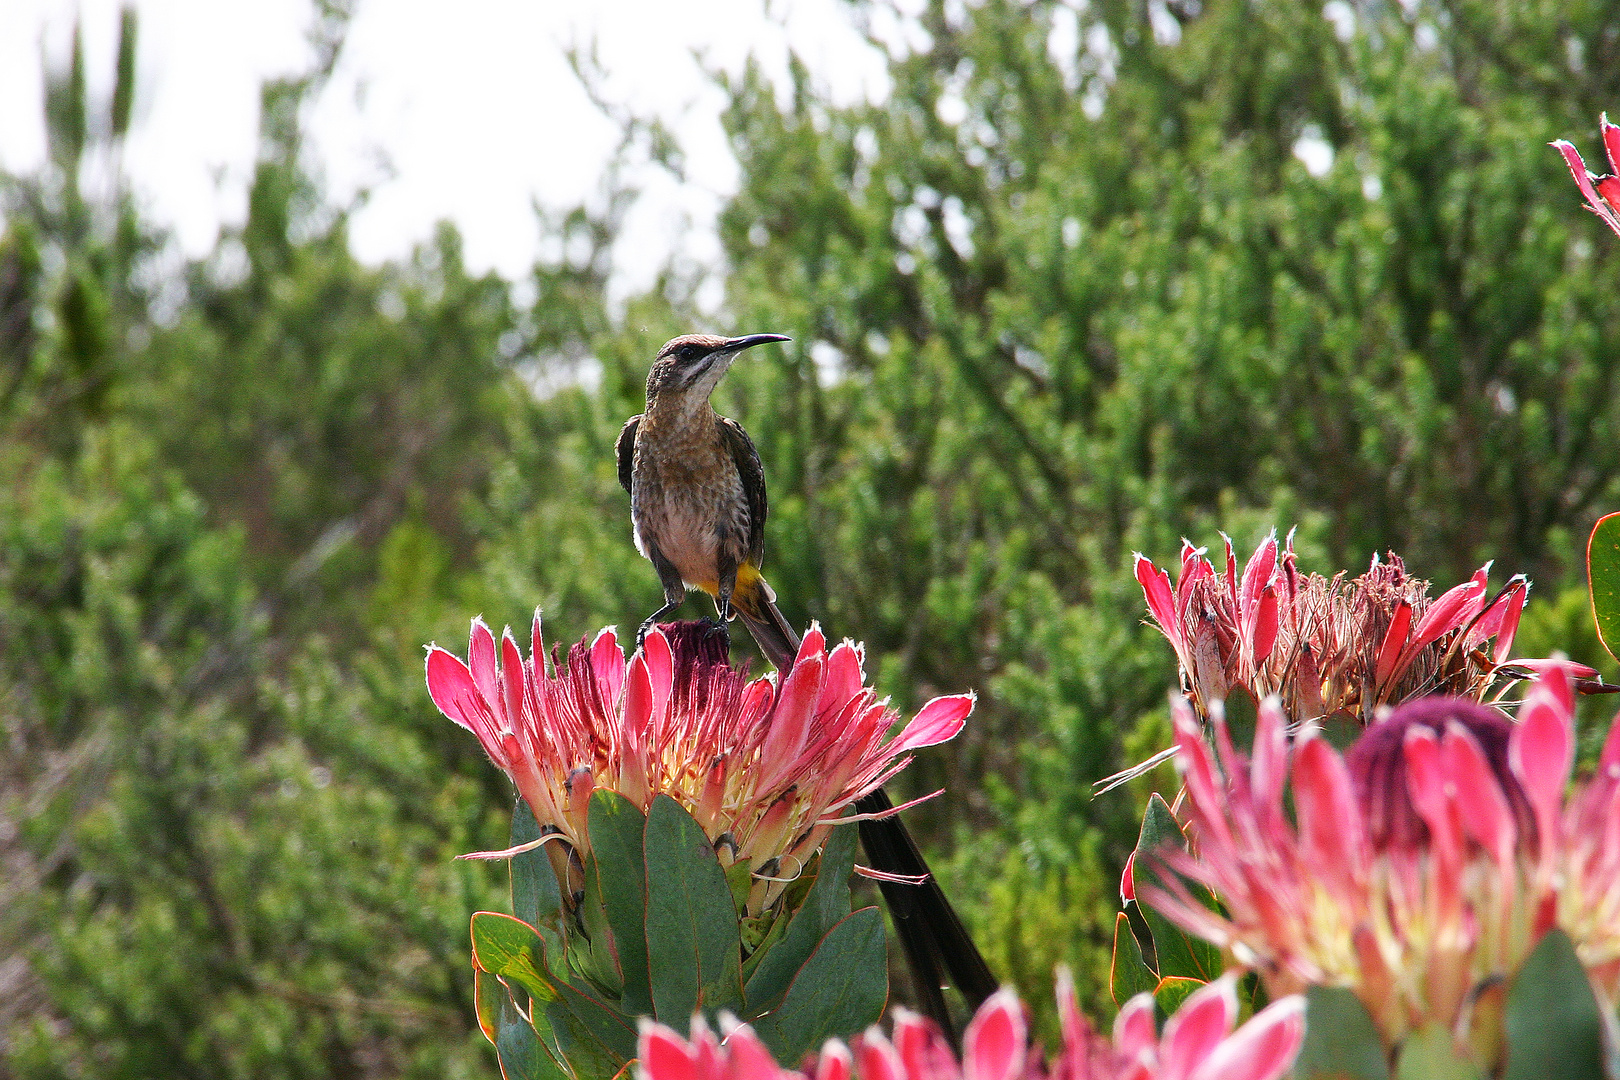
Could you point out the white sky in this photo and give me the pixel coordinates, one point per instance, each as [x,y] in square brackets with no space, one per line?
[471,103]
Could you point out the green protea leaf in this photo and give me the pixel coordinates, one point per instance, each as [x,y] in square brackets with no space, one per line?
[760,934]
[694,952]
[1431,1054]
[510,954]
[1178,954]
[535,898]
[584,1034]
[1603,575]
[1173,990]
[489,994]
[1552,1023]
[1341,1040]
[1129,974]
[839,991]
[617,865]
[740,876]
[595,957]
[513,950]
[595,1038]
[826,904]
[519,1048]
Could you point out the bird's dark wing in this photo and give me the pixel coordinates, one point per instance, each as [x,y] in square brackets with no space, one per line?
[625,448]
[753,482]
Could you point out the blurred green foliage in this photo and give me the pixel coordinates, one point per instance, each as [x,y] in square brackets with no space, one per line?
[1066,292]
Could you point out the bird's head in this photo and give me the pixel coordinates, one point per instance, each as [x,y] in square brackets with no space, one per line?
[692,365]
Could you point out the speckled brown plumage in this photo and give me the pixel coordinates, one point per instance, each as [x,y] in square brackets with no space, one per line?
[697,490]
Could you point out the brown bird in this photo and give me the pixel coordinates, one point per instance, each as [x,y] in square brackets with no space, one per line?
[697,506]
[697,492]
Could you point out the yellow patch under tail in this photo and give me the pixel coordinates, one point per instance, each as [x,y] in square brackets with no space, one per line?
[745,592]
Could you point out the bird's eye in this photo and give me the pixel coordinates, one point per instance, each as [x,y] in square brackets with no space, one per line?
[687,352]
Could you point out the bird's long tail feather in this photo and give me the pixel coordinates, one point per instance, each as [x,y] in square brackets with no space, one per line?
[754,601]
[938,949]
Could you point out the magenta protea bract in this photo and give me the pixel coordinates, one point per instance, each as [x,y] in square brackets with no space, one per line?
[1341,647]
[1420,870]
[1602,192]
[1197,1043]
[762,767]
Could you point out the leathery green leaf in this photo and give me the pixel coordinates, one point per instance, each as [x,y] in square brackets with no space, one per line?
[513,950]
[1603,576]
[534,886]
[521,1050]
[826,904]
[1172,991]
[840,990]
[573,1024]
[1129,974]
[1430,1054]
[617,830]
[694,951]
[1341,1040]
[1178,954]
[593,1038]
[1553,1026]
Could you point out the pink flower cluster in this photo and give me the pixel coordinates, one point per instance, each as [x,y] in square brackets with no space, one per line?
[1343,645]
[1198,1044]
[760,766]
[1419,870]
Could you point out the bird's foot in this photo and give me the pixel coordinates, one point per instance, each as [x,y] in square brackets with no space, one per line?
[717,626]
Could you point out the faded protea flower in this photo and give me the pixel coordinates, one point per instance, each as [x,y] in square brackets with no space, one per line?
[1602,192]
[1340,647]
[1198,1044]
[1419,870]
[761,767]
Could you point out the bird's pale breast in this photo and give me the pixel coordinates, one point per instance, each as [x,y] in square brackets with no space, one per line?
[690,498]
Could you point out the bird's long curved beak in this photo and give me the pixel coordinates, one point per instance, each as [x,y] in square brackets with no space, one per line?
[738,344]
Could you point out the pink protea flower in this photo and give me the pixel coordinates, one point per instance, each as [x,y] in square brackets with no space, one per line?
[1340,646]
[1419,870]
[1602,192]
[760,766]
[1198,1044]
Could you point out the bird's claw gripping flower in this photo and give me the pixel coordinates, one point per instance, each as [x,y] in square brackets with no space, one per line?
[1198,1044]
[1345,646]
[1602,192]
[761,766]
[1419,870]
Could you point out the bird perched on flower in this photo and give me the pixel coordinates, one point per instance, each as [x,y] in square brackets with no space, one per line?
[697,492]
[697,508]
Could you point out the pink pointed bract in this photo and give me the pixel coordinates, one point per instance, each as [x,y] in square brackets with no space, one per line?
[763,767]
[1198,1044]
[1419,869]
[1602,193]
[1333,647]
